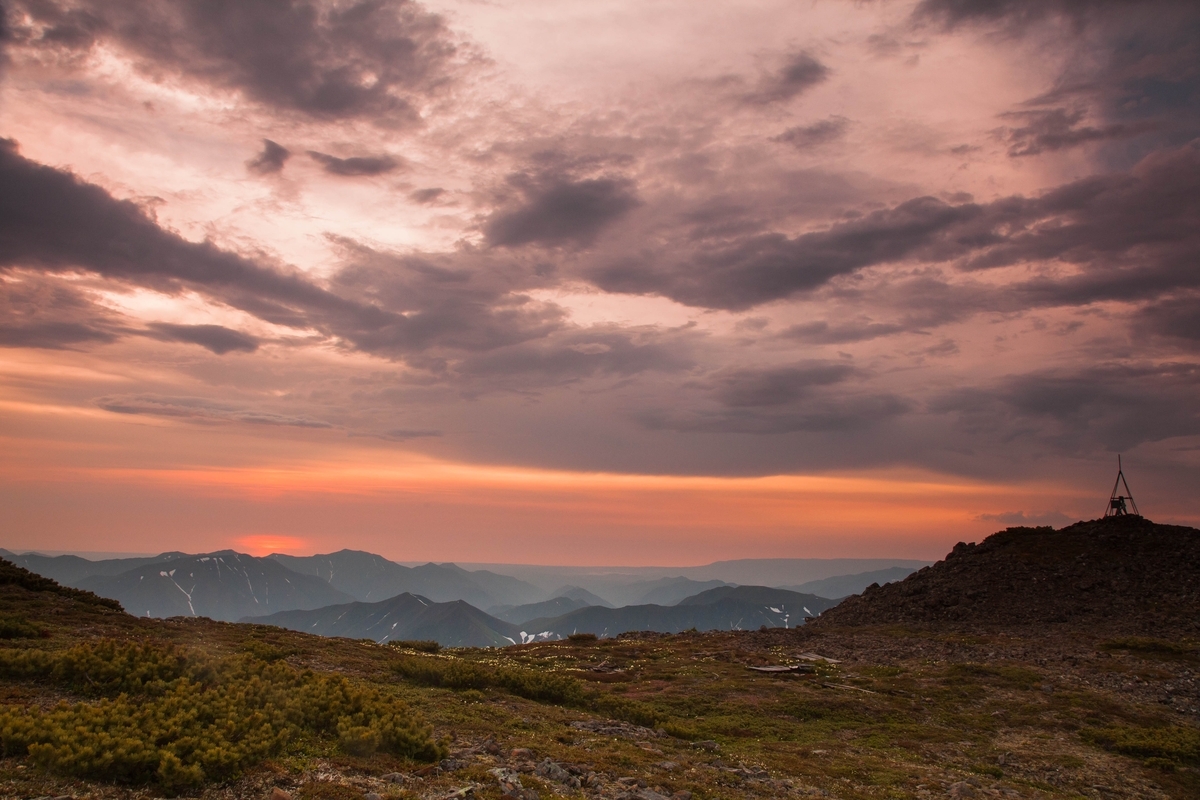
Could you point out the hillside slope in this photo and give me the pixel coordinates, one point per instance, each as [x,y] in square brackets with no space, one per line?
[1122,574]
[722,608]
[406,616]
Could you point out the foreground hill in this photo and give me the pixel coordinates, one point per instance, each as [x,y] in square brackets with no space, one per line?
[69,570]
[891,712]
[404,617]
[224,585]
[1117,574]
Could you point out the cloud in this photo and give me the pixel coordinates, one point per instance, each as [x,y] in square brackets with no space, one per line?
[1177,318]
[778,386]
[806,137]
[575,354]
[325,60]
[270,160]
[41,312]
[51,221]
[1130,235]
[200,409]
[1021,519]
[757,269]
[1113,406]
[559,211]
[426,195]
[849,413]
[821,332]
[405,434]
[1047,130]
[798,74]
[357,165]
[1016,13]
[218,339]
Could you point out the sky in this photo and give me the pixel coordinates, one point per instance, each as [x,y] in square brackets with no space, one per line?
[617,282]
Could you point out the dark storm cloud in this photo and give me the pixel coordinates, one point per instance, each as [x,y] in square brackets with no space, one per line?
[440,301]
[1132,236]
[1132,69]
[822,332]
[202,410]
[355,166]
[270,160]
[439,313]
[333,60]
[1020,12]
[52,221]
[217,338]
[1176,319]
[805,137]
[42,312]
[776,387]
[1117,406]
[1056,129]
[745,272]
[559,210]
[798,74]
[577,354]
[847,413]
[810,397]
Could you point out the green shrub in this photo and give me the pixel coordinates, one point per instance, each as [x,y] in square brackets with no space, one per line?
[542,687]
[20,628]
[178,717]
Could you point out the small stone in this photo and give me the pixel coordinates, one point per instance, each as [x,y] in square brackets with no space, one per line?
[649,794]
[668,765]
[521,753]
[707,745]
[961,789]
[394,777]
[280,794]
[372,796]
[682,794]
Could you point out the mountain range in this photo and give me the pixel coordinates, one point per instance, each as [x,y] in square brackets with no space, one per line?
[458,624]
[357,594]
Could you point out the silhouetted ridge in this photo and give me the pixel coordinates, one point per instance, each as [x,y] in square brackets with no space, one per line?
[11,574]
[1123,574]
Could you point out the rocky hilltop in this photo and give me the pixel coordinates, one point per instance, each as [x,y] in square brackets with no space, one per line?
[1118,575]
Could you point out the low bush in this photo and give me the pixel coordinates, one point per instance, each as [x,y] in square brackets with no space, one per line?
[20,628]
[179,718]
[1170,744]
[542,687]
